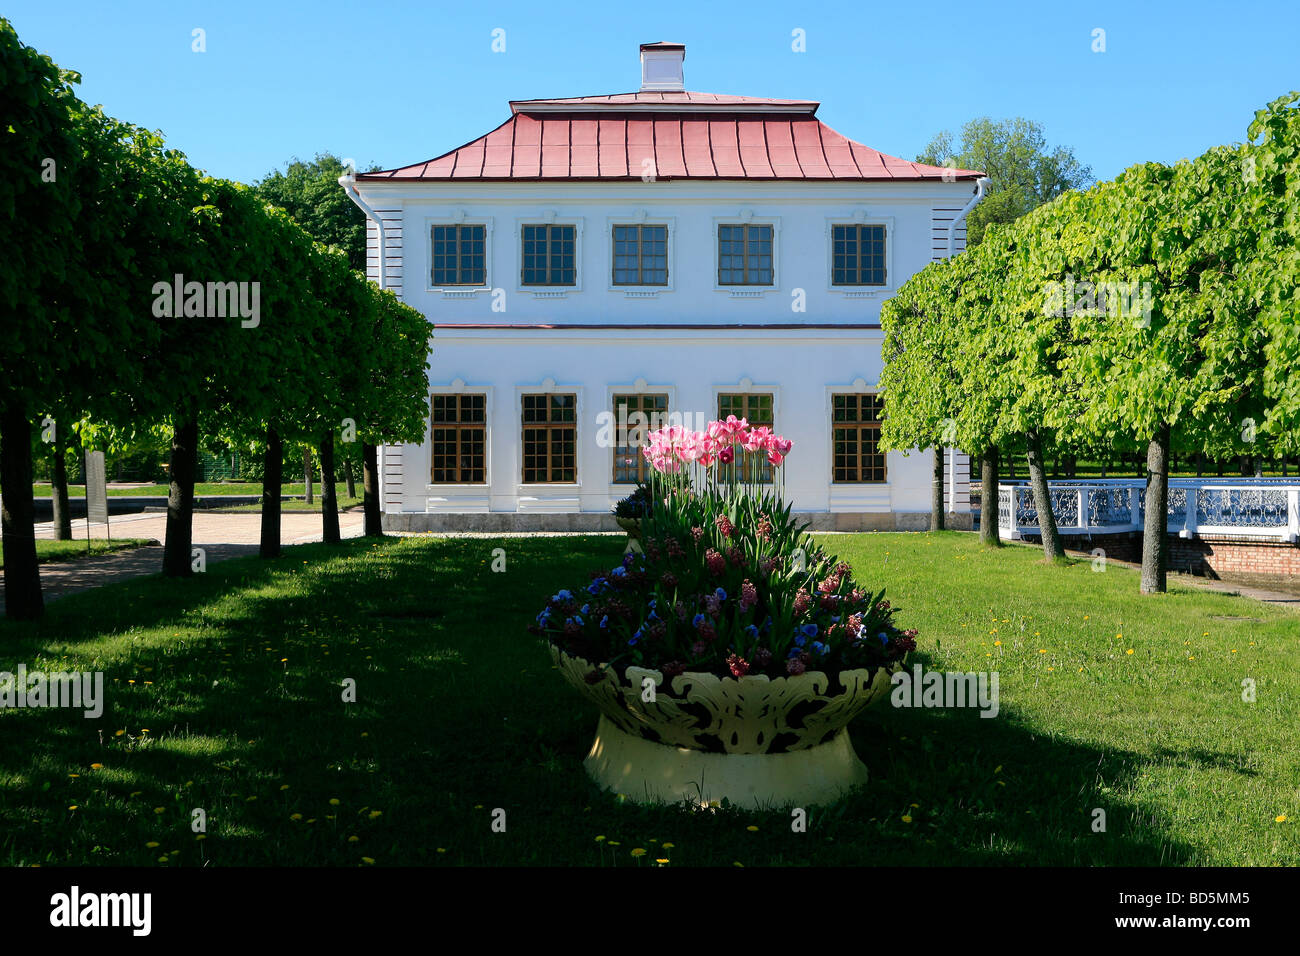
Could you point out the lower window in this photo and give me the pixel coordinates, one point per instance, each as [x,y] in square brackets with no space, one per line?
[855,439]
[459,436]
[757,409]
[550,439]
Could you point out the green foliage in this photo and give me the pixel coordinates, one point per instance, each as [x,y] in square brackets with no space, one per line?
[1166,296]
[310,193]
[1015,156]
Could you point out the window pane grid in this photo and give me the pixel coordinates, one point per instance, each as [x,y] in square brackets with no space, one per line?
[855,439]
[640,255]
[459,439]
[858,255]
[630,466]
[745,255]
[550,439]
[548,255]
[459,255]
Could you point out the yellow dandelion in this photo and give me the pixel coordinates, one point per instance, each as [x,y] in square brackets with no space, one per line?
[997,643]
[638,851]
[334,801]
[907,818]
[739,864]
[158,810]
[669,846]
[1129,651]
[368,861]
[153,844]
[600,839]
[118,733]
[1042,650]
[376,814]
[1280,818]
[295,816]
[284,786]
[74,776]
[250,799]
[614,843]
[661,861]
[752,829]
[73,807]
[354,839]
[201,836]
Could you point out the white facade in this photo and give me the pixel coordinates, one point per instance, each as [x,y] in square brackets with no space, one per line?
[800,339]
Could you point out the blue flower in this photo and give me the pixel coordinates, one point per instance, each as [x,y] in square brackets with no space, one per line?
[809,629]
[576,620]
[720,594]
[563,596]
[884,638]
[618,572]
[751,632]
[794,652]
[653,602]
[604,621]
[586,609]
[652,616]
[800,640]
[820,649]
[698,620]
[632,641]
[544,616]
[594,586]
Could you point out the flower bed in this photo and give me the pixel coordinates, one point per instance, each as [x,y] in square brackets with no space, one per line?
[728,651]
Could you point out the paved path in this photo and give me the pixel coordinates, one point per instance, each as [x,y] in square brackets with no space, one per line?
[221,536]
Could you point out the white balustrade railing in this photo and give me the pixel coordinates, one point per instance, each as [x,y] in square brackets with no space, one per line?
[1264,508]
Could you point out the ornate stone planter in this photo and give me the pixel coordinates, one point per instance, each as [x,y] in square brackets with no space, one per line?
[631,525]
[759,742]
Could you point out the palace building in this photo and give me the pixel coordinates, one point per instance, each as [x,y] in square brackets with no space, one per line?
[661,252]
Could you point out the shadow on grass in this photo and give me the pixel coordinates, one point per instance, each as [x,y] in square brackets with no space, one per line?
[238,676]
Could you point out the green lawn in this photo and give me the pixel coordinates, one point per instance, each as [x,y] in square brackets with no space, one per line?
[224,694]
[48,552]
[343,503]
[200,488]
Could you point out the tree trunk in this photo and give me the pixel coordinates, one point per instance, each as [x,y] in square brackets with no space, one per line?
[936,491]
[329,503]
[23,600]
[370,488]
[272,477]
[1155,544]
[349,478]
[989,497]
[1052,548]
[306,472]
[59,493]
[177,553]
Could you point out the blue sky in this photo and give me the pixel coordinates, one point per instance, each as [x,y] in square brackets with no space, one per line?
[398,82]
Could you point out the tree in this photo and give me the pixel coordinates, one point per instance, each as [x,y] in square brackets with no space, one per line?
[309,192]
[1015,156]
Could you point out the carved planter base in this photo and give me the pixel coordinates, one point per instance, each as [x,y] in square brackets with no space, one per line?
[648,772]
[759,742]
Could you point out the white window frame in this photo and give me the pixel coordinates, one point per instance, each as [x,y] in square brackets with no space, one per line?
[549,218]
[860,218]
[460,387]
[548,386]
[457,217]
[747,217]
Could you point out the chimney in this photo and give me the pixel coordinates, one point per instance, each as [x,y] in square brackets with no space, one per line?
[661,66]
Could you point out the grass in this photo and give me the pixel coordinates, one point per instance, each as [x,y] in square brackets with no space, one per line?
[224,693]
[50,552]
[200,489]
[343,503]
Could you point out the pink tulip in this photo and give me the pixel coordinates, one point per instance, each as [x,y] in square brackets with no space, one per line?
[727,455]
[775,458]
[781,446]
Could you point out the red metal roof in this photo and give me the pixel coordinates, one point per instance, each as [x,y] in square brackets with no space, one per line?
[686,135]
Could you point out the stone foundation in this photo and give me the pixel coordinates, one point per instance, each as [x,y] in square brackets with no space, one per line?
[509,521]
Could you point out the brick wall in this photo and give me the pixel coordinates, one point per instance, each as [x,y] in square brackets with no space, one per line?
[1217,556]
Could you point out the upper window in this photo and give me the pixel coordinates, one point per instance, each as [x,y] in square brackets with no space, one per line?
[548,255]
[855,438]
[550,433]
[745,255]
[640,255]
[459,256]
[757,410]
[858,255]
[459,433]
[635,417]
